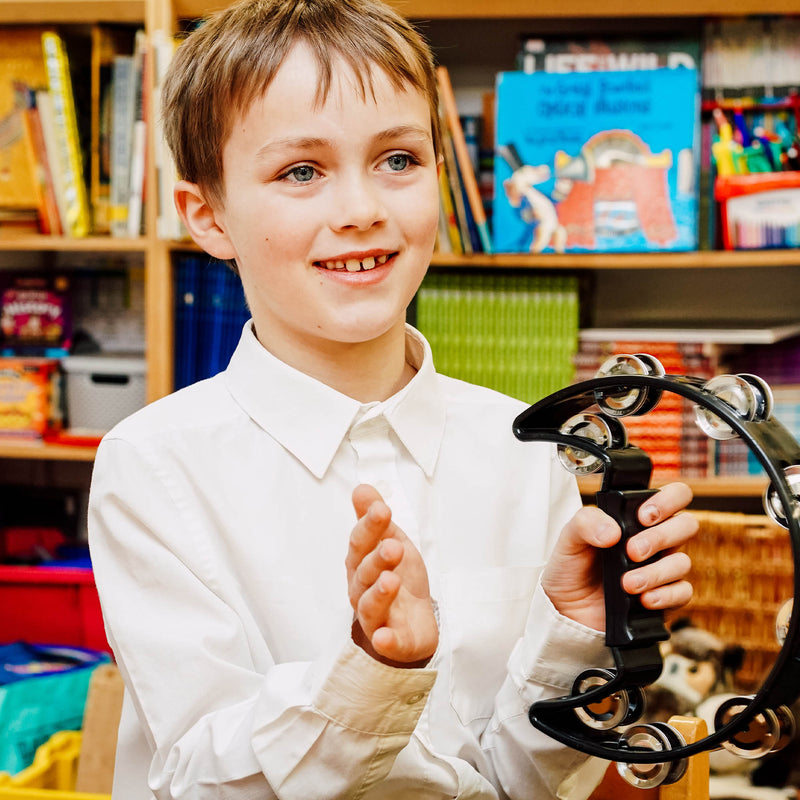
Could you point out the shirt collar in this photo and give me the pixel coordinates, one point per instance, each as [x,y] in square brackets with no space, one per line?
[310,419]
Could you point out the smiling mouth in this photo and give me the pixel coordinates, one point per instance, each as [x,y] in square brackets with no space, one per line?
[354,264]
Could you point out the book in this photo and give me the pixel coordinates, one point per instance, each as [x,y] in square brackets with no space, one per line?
[756,58]
[47,118]
[596,161]
[123,114]
[668,433]
[22,71]
[463,159]
[69,159]
[606,55]
[210,310]
[107,41]
[48,212]
[513,333]
[139,136]
[452,196]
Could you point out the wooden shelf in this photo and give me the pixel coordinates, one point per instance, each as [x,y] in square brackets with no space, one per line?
[27,12]
[510,9]
[435,9]
[716,259]
[94,244]
[45,452]
[702,487]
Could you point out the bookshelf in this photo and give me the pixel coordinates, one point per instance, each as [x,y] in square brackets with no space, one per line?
[467,17]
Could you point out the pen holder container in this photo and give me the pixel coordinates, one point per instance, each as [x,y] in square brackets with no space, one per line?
[759,211]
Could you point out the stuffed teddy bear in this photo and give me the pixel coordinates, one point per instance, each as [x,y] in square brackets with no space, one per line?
[697,664]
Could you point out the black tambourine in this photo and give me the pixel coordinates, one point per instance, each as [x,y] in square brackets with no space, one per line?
[600,715]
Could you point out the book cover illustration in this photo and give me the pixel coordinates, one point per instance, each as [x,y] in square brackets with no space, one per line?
[22,70]
[596,161]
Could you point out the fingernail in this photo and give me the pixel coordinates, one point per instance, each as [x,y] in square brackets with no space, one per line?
[649,514]
[655,600]
[640,548]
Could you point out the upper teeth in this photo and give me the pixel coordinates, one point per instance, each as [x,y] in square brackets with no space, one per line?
[354,265]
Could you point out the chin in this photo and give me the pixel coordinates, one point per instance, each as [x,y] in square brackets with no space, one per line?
[360,330]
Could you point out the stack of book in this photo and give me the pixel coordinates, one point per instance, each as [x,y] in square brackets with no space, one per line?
[779,365]
[463,226]
[668,433]
[73,140]
[514,333]
[210,312]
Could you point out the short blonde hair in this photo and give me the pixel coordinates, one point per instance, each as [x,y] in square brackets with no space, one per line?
[230,60]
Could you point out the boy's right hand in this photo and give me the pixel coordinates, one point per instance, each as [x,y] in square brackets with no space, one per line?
[388,587]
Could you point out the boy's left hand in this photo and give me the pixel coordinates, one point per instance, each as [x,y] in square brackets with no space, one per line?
[572,578]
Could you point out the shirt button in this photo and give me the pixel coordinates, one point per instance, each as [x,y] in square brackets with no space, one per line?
[384,489]
[413,699]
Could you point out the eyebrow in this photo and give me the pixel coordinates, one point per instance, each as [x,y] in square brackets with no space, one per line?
[311,142]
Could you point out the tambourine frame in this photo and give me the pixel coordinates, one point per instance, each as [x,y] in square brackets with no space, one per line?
[775,449]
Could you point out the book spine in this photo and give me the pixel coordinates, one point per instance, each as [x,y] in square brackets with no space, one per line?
[66,129]
[49,219]
[462,154]
[122,119]
[44,103]
[139,137]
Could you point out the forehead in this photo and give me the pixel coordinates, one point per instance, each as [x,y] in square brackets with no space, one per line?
[294,94]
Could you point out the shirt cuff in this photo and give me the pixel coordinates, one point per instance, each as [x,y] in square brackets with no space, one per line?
[555,648]
[362,694]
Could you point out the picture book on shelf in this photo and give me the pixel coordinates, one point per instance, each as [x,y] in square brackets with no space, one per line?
[596,161]
[22,71]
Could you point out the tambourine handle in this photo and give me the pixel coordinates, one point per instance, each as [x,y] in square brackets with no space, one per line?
[628,622]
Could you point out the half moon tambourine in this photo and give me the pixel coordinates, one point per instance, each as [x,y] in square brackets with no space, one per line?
[601,715]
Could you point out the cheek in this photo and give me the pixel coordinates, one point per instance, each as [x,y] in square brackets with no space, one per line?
[423,208]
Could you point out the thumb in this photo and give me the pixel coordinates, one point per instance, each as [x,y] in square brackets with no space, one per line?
[590,527]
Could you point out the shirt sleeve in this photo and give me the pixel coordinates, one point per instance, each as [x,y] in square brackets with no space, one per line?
[215,725]
[544,663]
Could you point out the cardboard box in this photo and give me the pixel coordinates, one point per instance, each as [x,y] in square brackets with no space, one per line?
[30,404]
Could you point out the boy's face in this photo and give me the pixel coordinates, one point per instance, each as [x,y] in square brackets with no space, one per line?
[329,210]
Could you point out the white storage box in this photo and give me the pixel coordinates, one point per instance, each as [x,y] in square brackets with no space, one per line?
[101,390]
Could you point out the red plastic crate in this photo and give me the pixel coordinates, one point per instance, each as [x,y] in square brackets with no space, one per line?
[51,605]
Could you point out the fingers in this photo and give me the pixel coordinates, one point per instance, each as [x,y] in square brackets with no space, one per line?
[662,583]
[363,497]
[666,536]
[667,501]
[374,520]
[385,557]
[374,605]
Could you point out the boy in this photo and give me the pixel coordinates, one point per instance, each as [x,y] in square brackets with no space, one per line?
[273,643]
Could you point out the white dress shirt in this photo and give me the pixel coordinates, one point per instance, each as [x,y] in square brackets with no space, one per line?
[219,524]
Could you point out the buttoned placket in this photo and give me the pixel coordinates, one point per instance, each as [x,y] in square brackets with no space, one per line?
[376,453]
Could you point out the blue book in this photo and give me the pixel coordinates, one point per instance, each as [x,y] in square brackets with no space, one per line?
[187,288]
[597,161]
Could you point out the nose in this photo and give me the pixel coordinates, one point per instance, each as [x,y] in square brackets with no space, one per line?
[358,203]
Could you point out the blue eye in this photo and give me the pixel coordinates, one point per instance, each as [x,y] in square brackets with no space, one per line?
[303,173]
[398,162]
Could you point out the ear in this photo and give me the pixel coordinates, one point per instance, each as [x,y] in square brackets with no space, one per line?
[204,224]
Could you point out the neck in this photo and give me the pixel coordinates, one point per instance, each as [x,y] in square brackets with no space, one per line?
[366,371]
